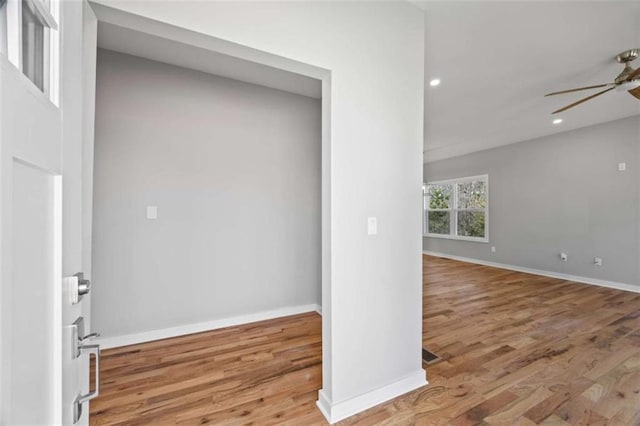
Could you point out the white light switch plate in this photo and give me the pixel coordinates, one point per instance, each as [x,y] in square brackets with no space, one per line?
[152,212]
[622,167]
[372,226]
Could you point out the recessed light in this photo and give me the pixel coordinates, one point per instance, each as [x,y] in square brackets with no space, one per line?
[557,121]
[434,82]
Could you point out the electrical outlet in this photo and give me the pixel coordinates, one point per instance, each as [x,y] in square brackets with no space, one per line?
[372,225]
[597,261]
[493,249]
[622,167]
[563,257]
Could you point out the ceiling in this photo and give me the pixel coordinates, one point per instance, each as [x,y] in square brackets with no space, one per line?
[496,60]
[144,45]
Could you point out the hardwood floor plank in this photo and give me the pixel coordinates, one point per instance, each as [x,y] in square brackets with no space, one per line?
[512,413]
[517,349]
[480,412]
[561,395]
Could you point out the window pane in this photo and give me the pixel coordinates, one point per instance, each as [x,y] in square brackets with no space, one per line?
[471,224]
[32,46]
[3,26]
[439,196]
[439,222]
[472,195]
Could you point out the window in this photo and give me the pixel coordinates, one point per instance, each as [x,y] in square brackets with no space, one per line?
[457,209]
[33,51]
[31,40]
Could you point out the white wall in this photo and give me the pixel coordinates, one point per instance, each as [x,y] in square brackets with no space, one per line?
[234,170]
[558,193]
[372,302]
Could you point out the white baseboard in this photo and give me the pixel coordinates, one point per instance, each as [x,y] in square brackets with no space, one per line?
[334,412]
[578,279]
[164,333]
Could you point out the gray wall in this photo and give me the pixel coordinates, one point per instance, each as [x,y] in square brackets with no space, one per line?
[234,169]
[560,193]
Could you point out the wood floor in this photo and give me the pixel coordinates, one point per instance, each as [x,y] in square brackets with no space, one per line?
[516,348]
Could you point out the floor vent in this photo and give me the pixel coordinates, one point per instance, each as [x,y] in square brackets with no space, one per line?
[429,357]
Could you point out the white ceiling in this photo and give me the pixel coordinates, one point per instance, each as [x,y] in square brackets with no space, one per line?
[496,60]
[137,43]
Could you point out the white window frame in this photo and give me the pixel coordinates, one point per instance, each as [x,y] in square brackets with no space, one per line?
[453,210]
[49,16]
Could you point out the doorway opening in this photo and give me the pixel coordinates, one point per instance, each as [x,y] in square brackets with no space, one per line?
[211,206]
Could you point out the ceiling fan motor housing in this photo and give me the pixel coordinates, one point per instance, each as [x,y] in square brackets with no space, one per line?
[627,56]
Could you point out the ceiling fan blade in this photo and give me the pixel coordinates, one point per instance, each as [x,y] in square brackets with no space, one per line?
[633,75]
[580,88]
[635,92]
[582,100]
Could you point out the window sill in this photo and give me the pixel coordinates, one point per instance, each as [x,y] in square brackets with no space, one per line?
[459,238]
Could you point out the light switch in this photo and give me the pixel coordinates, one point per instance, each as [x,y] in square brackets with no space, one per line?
[152,212]
[622,167]
[372,226]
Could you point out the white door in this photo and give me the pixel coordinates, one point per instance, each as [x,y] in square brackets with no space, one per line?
[41,208]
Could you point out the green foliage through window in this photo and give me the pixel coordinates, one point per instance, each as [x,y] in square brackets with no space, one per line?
[439,222]
[440,196]
[471,224]
[472,195]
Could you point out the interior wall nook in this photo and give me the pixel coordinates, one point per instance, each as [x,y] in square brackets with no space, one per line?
[232,171]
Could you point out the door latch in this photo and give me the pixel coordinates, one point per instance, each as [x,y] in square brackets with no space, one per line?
[79,286]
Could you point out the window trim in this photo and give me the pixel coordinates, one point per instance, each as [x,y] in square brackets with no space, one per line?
[453,225]
[49,16]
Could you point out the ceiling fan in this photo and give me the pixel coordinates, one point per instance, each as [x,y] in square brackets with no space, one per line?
[628,79]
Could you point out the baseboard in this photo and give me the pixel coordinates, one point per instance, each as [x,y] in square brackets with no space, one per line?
[578,279]
[334,412]
[151,335]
